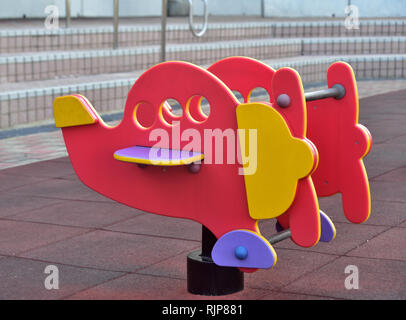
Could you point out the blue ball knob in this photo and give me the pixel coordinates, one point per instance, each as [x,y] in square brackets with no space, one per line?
[241,252]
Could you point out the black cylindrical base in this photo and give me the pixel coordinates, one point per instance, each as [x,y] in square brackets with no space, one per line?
[206,278]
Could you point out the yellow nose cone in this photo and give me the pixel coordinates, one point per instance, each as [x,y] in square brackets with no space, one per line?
[72,111]
[280,160]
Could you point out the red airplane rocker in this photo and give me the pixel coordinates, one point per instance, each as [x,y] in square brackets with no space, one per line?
[167,164]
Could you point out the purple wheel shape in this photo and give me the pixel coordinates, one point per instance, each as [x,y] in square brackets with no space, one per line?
[244,249]
[328,230]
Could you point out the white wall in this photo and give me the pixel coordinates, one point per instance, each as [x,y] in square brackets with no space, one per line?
[381,8]
[235,7]
[104,8]
[272,8]
[325,8]
[79,8]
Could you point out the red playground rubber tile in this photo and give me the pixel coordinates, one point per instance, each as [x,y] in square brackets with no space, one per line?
[385,157]
[348,237]
[59,189]
[43,169]
[26,279]
[291,264]
[112,250]
[387,213]
[14,204]
[153,224]
[383,279]
[388,245]
[397,175]
[383,213]
[388,191]
[62,159]
[19,236]
[293,296]
[383,130]
[173,267]
[398,140]
[10,182]
[332,206]
[85,214]
[372,107]
[144,287]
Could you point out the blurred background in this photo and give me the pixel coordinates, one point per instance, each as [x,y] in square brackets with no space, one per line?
[99,48]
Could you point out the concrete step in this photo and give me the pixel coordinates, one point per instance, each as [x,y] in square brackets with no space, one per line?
[53,65]
[31,102]
[82,38]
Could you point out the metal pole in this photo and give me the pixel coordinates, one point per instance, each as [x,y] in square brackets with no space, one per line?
[67,13]
[337,91]
[163,29]
[115,25]
[208,242]
[204,277]
[348,8]
[283,235]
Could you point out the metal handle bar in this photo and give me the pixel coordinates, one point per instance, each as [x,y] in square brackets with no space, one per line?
[337,91]
[285,234]
[206,19]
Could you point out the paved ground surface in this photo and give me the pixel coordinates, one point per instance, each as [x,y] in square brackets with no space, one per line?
[107,251]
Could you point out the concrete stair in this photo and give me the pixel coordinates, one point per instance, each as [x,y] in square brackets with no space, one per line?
[80,38]
[38,65]
[53,65]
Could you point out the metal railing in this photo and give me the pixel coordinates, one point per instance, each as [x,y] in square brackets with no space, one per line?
[163,29]
[54,65]
[382,56]
[115,20]
[70,39]
[191,26]
[31,105]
